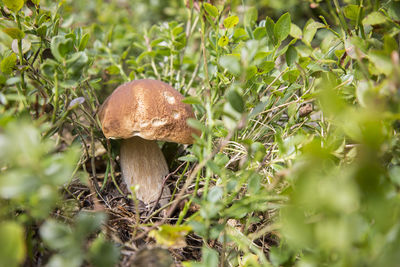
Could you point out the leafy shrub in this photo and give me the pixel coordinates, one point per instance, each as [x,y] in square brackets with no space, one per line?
[298,159]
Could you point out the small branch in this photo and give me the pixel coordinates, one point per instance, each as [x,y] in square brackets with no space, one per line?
[161,192]
[276,78]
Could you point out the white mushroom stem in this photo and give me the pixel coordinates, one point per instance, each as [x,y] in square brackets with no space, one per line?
[143,164]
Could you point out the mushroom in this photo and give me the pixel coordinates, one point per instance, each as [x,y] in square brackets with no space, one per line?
[140,113]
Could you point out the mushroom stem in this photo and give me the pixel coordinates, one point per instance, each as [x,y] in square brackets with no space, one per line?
[143,164]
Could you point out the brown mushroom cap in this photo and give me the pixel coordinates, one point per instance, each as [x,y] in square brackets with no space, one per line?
[150,109]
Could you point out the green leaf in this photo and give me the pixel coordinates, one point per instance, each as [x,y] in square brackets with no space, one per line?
[259,33]
[270,26]
[26,46]
[279,256]
[215,194]
[49,68]
[76,64]
[251,72]
[230,117]
[240,33]
[42,30]
[196,124]
[266,66]
[12,244]
[251,15]
[354,43]
[351,12]
[292,108]
[177,31]
[381,61]
[254,183]
[88,223]
[235,100]
[84,41]
[112,70]
[223,41]
[14,33]
[394,10]
[192,100]
[291,55]
[374,18]
[389,44]
[295,31]
[231,63]
[291,76]
[214,167]
[172,236]
[60,47]
[310,30]
[56,235]
[14,5]
[238,210]
[62,260]
[210,257]
[211,10]
[144,54]
[103,253]
[221,159]
[257,151]
[231,22]
[282,27]
[394,175]
[188,158]
[8,63]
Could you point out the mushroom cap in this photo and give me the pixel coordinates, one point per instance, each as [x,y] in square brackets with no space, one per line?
[150,109]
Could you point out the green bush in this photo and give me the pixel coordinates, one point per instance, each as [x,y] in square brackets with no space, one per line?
[298,105]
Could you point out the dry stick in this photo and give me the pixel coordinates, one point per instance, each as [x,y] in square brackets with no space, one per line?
[271,84]
[112,167]
[93,93]
[194,75]
[157,224]
[95,189]
[162,190]
[94,175]
[166,206]
[137,215]
[177,183]
[287,104]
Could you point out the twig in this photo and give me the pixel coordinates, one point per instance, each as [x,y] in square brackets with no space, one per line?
[162,190]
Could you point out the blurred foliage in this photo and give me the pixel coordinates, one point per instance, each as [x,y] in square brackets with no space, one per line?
[297,102]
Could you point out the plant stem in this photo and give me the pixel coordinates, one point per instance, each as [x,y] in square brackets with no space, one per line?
[21,58]
[119,66]
[56,96]
[359,25]
[341,17]
[203,48]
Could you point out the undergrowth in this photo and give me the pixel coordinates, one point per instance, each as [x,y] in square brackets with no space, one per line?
[298,106]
